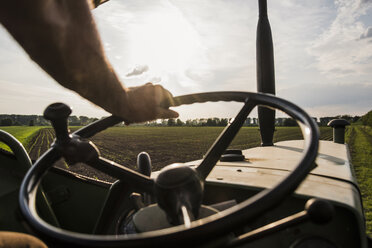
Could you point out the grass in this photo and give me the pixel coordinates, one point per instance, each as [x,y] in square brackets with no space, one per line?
[359,139]
[24,134]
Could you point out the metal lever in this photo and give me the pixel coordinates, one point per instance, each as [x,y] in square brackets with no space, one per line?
[144,167]
[57,114]
[316,210]
[72,148]
[136,200]
[144,163]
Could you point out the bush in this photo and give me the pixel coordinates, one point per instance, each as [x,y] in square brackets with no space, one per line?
[367,119]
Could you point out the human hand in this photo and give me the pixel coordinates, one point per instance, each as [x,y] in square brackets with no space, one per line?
[146,103]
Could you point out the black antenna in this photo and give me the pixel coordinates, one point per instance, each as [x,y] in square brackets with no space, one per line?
[265,73]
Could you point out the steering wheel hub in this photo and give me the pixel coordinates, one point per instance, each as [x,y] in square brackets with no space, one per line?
[179,186]
[153,218]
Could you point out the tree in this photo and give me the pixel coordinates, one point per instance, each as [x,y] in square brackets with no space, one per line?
[289,122]
[84,120]
[73,121]
[31,123]
[355,118]
[6,122]
[171,122]
[367,119]
[224,121]
[209,122]
[179,122]
[346,117]
[216,121]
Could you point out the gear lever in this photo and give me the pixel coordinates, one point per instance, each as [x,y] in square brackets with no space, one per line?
[144,167]
[144,163]
[57,114]
[72,148]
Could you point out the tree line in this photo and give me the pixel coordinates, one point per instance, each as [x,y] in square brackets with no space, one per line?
[39,120]
[202,122]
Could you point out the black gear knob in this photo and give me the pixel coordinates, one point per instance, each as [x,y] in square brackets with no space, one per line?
[144,163]
[58,114]
[179,186]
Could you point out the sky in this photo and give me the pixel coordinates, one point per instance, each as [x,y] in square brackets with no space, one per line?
[322,53]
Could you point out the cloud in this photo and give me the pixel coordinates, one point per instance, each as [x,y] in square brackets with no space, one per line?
[337,49]
[138,70]
[199,75]
[367,33]
[355,96]
[155,80]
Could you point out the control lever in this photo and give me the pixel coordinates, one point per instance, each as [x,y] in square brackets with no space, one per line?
[144,163]
[136,199]
[316,210]
[57,114]
[144,167]
[72,148]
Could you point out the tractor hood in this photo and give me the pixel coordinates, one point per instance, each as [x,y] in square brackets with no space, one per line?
[333,159]
[264,167]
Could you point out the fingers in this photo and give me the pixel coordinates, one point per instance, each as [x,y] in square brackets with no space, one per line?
[166,113]
[166,100]
[149,102]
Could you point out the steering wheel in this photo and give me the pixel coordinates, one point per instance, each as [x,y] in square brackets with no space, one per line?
[171,184]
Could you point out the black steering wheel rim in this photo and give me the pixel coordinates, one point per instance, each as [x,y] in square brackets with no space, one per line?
[200,230]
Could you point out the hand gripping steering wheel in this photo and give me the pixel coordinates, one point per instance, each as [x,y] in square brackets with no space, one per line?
[171,181]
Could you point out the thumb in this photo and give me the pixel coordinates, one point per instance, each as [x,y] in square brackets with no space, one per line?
[166,113]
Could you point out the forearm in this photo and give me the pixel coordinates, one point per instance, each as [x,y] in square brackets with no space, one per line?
[62,38]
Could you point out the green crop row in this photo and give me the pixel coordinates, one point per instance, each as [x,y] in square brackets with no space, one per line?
[23,134]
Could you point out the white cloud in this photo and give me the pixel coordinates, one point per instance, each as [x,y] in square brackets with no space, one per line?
[338,50]
[367,33]
[138,70]
[155,80]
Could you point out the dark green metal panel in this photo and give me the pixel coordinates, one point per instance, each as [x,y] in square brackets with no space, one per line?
[76,200]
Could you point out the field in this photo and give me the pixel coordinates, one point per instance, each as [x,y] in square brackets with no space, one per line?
[24,135]
[165,145]
[359,139]
[168,145]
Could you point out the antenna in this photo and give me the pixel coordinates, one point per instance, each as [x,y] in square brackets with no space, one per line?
[265,73]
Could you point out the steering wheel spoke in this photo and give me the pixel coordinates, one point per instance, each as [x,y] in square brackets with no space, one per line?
[224,140]
[141,182]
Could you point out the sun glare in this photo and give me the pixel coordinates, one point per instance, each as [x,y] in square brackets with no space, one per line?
[166,42]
